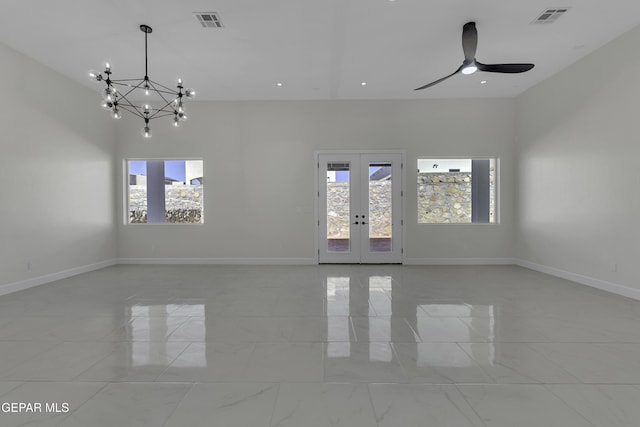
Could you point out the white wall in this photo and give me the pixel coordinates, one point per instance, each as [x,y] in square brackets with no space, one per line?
[261,154]
[56,174]
[578,148]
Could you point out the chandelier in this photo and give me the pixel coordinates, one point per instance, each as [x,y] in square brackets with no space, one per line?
[116,94]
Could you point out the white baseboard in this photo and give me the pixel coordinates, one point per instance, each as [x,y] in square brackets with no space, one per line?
[459,261]
[584,280]
[220,261]
[41,280]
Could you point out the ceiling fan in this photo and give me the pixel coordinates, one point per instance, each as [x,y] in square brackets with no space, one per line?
[470,65]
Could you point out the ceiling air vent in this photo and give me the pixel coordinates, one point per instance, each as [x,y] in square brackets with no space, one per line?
[209,19]
[550,15]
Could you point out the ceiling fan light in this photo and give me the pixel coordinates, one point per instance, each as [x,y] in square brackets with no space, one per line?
[470,69]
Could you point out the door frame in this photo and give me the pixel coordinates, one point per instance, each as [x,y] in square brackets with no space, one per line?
[316,192]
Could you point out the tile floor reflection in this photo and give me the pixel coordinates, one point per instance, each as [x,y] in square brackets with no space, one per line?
[320,345]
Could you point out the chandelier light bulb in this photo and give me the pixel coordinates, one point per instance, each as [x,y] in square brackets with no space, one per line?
[182,116]
[95,76]
[115,113]
[106,105]
[176,121]
[190,93]
[107,67]
[109,94]
[146,131]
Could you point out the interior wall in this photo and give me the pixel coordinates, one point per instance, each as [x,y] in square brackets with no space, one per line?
[260,173]
[56,174]
[578,148]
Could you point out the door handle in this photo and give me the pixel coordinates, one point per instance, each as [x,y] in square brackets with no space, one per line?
[356,223]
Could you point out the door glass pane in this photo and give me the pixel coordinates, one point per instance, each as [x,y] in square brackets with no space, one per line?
[380,202]
[338,207]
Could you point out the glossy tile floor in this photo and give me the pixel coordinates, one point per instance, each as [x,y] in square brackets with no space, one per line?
[323,346]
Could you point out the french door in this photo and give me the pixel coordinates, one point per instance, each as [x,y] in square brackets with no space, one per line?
[360,207]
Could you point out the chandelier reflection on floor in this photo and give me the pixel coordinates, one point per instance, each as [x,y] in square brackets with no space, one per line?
[115,95]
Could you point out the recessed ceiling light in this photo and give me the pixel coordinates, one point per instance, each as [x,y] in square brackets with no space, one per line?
[279,84]
[363,84]
[483,82]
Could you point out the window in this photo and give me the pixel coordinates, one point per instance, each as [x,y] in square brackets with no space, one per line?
[457,191]
[165,191]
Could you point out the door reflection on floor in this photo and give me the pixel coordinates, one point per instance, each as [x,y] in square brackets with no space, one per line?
[370,311]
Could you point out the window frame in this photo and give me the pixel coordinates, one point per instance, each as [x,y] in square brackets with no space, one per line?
[496,210]
[126,192]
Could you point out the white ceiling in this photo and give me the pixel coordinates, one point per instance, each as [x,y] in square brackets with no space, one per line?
[318,49]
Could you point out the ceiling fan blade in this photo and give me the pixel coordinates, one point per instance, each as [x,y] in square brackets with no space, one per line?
[469,41]
[504,68]
[439,80]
